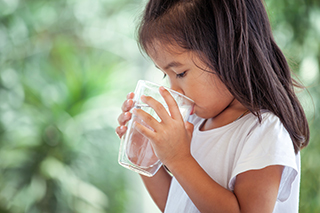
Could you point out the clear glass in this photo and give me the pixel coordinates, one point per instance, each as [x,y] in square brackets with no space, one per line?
[136,152]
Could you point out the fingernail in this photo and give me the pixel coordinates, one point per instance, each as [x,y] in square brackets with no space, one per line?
[121,127]
[129,94]
[162,88]
[135,123]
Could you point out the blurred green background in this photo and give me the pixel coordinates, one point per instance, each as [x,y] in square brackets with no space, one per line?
[65,69]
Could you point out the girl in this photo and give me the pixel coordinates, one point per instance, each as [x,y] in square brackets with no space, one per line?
[240,150]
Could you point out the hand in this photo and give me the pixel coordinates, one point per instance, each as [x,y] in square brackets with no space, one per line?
[139,151]
[125,116]
[170,137]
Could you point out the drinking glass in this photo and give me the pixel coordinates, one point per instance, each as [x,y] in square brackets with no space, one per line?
[136,152]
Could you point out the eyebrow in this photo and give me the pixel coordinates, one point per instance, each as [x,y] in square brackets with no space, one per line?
[172,64]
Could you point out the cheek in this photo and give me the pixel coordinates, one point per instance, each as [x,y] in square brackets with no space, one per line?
[220,89]
[215,97]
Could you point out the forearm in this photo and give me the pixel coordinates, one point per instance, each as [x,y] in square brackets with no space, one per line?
[205,193]
[158,187]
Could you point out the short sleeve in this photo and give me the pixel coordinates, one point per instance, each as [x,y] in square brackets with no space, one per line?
[268,143]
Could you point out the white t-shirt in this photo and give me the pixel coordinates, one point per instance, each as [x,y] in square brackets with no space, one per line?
[237,147]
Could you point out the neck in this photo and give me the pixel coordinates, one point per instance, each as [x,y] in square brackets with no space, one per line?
[233,112]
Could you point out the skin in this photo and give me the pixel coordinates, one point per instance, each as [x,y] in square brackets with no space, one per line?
[255,190]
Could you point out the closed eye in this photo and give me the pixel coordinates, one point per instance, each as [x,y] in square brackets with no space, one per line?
[181,75]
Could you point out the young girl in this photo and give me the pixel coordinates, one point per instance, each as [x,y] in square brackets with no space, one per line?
[240,150]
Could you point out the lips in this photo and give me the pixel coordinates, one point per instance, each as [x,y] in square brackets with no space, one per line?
[192,110]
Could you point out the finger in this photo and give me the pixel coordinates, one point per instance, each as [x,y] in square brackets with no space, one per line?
[127,105]
[124,118]
[130,95]
[189,127]
[120,130]
[144,130]
[158,108]
[147,119]
[172,104]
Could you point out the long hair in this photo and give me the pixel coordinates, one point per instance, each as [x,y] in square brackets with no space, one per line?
[234,39]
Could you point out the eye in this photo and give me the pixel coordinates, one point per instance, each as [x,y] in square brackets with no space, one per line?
[181,75]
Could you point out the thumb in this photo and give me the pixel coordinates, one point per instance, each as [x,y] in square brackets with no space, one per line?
[189,127]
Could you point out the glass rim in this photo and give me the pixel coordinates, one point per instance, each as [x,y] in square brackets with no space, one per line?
[170,90]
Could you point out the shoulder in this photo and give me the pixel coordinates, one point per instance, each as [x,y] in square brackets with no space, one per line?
[268,137]
[270,127]
[268,119]
[270,132]
[267,143]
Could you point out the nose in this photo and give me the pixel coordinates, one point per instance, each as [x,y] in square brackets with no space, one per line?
[176,88]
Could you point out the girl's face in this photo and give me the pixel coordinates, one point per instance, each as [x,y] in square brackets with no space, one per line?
[186,75]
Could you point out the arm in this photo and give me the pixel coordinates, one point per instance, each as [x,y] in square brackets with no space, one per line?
[255,190]
[158,187]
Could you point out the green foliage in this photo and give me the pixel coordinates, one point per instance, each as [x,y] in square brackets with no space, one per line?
[296,26]
[58,149]
[64,71]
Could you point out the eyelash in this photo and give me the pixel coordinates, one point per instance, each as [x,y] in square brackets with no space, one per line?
[180,75]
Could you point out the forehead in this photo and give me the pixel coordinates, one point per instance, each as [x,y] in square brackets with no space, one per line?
[163,52]
[157,48]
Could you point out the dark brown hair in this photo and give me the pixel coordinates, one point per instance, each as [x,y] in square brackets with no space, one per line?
[234,39]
